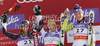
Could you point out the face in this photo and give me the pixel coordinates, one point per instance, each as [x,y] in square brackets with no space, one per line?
[25,28]
[52,27]
[79,16]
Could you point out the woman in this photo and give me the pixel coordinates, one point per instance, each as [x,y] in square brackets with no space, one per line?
[80,28]
[52,35]
[25,37]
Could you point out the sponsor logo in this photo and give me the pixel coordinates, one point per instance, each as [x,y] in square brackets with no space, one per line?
[97,33]
[45,20]
[24,1]
[71,35]
[13,21]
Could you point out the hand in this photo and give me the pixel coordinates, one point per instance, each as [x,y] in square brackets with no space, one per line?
[67,13]
[4,18]
[37,10]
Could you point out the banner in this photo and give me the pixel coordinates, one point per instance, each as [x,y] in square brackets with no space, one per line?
[13,21]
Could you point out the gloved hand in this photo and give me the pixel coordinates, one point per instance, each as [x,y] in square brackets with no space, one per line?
[60,44]
[37,10]
[4,18]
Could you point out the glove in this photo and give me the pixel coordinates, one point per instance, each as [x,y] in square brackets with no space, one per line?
[4,18]
[37,10]
[60,44]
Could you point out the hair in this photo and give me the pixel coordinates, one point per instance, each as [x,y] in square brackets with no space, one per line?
[29,35]
[85,20]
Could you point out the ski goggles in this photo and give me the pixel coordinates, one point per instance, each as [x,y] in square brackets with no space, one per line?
[23,23]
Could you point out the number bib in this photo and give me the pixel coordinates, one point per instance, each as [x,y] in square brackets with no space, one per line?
[27,42]
[80,31]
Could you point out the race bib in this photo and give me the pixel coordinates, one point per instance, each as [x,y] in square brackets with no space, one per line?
[80,31]
[26,43]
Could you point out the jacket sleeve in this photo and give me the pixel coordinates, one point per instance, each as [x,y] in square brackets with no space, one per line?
[66,27]
[10,35]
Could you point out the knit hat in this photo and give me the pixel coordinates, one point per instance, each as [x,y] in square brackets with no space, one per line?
[77,9]
[51,21]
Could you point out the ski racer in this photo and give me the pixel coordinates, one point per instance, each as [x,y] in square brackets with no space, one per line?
[80,28]
[52,35]
[25,37]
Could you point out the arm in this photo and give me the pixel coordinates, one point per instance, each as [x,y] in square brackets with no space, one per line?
[66,27]
[10,35]
[4,24]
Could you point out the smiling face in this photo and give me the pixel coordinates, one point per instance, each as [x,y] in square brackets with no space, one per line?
[52,27]
[25,28]
[79,16]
